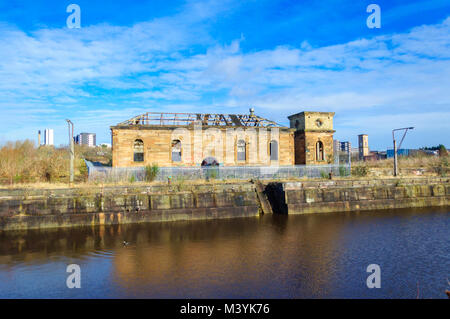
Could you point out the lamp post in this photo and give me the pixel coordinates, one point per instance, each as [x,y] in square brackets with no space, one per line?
[400,145]
[71,150]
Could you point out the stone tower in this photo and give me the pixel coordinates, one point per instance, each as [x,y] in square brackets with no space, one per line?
[313,138]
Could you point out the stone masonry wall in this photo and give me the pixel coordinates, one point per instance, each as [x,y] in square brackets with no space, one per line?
[48,208]
[343,196]
[158,146]
[28,209]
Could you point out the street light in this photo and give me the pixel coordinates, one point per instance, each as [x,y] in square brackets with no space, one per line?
[71,149]
[400,145]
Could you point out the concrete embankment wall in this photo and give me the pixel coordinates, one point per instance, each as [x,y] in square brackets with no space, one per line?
[358,195]
[40,208]
[28,209]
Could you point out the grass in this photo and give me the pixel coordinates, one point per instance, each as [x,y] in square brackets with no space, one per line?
[410,165]
[151,171]
[22,162]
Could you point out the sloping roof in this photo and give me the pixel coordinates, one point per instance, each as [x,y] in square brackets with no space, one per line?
[186,119]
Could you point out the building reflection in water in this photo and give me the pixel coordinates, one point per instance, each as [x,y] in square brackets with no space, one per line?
[194,258]
[270,256]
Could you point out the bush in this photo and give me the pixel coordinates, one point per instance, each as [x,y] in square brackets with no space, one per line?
[442,167]
[211,173]
[360,170]
[83,170]
[323,174]
[22,162]
[442,150]
[342,171]
[151,171]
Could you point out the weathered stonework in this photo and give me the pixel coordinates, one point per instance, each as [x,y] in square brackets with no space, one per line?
[337,196]
[313,128]
[203,139]
[158,142]
[114,205]
[28,209]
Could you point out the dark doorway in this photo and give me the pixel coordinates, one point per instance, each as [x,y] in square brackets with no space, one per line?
[210,161]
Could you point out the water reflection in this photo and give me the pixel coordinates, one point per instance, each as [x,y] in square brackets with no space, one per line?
[320,255]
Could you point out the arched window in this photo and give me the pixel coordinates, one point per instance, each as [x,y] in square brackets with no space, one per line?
[273,150]
[241,156]
[138,149]
[319,151]
[176,151]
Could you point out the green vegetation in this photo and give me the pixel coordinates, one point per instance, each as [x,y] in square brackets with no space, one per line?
[151,171]
[360,170]
[342,171]
[442,168]
[212,173]
[442,150]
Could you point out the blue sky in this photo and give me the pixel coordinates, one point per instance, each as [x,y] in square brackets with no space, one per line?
[280,57]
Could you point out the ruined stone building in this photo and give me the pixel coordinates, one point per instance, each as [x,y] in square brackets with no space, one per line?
[189,139]
[313,137]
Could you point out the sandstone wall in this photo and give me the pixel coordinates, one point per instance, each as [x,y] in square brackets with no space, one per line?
[25,209]
[344,196]
[28,209]
[305,147]
[158,146]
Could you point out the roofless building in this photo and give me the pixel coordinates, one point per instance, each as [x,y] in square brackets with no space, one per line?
[193,139]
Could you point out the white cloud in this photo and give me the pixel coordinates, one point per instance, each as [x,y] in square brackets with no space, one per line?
[172,63]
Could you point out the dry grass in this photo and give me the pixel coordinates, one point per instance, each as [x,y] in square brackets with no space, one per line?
[21,162]
[58,185]
[408,166]
[407,162]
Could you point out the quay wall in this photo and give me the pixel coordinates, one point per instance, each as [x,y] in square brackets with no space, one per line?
[31,209]
[49,208]
[359,195]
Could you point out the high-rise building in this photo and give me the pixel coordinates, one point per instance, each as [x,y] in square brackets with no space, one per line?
[363,146]
[48,136]
[88,139]
[346,147]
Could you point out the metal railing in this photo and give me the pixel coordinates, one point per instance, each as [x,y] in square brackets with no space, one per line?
[131,174]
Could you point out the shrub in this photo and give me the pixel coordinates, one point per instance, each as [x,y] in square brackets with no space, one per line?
[151,171]
[83,170]
[22,162]
[323,174]
[442,167]
[342,171]
[211,173]
[442,150]
[360,170]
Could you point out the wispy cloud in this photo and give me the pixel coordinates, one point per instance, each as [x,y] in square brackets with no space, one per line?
[103,74]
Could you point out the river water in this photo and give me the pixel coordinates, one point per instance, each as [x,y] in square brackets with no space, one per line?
[303,256]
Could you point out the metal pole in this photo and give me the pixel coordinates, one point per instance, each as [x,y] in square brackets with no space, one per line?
[395,159]
[72,151]
[395,145]
[349,151]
